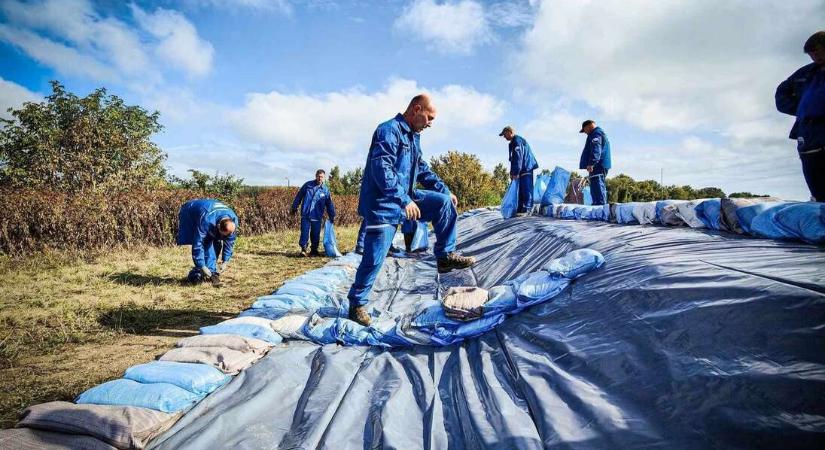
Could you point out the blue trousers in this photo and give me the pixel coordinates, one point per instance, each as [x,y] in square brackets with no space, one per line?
[310,232]
[525,192]
[598,186]
[213,249]
[362,233]
[436,208]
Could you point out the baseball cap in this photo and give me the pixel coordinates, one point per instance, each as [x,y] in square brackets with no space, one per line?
[586,123]
[507,128]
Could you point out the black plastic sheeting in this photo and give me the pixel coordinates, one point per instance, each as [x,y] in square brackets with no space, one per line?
[683,339]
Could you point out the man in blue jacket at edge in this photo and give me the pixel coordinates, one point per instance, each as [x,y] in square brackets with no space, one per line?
[388,196]
[596,160]
[209,226]
[522,165]
[313,197]
[803,95]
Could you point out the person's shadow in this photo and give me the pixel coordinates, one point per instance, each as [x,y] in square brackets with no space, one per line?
[137,279]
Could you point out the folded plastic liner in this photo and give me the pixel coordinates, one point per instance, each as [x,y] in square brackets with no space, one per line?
[684,339]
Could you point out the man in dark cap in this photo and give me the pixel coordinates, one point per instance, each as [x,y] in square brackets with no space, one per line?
[522,165]
[596,160]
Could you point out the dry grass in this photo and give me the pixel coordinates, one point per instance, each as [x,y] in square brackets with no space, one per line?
[67,324]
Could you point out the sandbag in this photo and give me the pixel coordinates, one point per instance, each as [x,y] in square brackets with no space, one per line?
[195,378]
[687,212]
[669,215]
[125,427]
[710,213]
[645,212]
[624,213]
[31,439]
[764,224]
[730,205]
[556,187]
[540,286]
[587,197]
[464,302]
[575,263]
[421,238]
[282,304]
[226,360]
[265,333]
[599,212]
[805,220]
[230,341]
[660,206]
[290,326]
[509,203]
[746,214]
[540,186]
[330,243]
[303,289]
[163,397]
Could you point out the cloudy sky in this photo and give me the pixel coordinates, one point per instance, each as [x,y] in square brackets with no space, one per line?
[270,90]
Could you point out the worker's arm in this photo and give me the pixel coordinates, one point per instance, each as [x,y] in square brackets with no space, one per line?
[596,144]
[787,97]
[429,179]
[299,197]
[383,155]
[198,252]
[228,246]
[516,159]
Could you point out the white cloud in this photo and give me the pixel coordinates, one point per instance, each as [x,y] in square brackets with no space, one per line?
[341,123]
[12,95]
[178,41]
[73,38]
[449,27]
[280,6]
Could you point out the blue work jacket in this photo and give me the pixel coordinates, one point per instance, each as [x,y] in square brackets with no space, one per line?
[803,95]
[596,151]
[394,165]
[199,228]
[314,198]
[522,159]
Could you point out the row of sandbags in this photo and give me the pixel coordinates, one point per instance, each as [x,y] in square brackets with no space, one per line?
[760,217]
[127,413]
[304,309]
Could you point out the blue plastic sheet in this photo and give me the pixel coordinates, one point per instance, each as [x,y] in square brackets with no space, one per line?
[160,396]
[710,213]
[556,188]
[509,204]
[660,205]
[587,197]
[199,379]
[746,214]
[421,238]
[624,213]
[684,339]
[330,243]
[540,187]
[805,221]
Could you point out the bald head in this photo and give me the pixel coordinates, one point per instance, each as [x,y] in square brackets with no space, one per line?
[420,113]
[226,226]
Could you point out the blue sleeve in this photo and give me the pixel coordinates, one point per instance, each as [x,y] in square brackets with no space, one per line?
[330,207]
[429,179]
[787,99]
[383,155]
[299,196]
[595,150]
[228,247]
[198,253]
[518,157]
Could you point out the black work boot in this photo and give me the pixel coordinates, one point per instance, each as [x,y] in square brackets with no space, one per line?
[304,251]
[314,252]
[454,261]
[359,314]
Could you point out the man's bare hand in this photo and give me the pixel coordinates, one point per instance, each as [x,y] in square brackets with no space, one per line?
[454,199]
[589,169]
[413,213]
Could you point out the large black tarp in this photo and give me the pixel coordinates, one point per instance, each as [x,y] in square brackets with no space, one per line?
[683,339]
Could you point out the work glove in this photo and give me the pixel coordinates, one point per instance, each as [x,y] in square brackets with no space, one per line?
[223,266]
[206,272]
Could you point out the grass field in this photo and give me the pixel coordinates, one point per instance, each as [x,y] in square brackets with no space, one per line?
[68,323]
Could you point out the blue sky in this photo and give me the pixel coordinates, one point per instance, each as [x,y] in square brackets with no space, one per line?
[270,90]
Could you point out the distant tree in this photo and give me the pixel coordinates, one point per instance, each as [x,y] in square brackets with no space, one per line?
[76,144]
[501,176]
[467,179]
[710,192]
[346,184]
[746,195]
[226,186]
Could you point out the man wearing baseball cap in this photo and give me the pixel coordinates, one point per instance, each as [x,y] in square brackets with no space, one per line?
[596,160]
[522,165]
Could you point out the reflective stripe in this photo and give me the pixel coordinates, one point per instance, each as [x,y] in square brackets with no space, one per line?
[371,227]
[808,152]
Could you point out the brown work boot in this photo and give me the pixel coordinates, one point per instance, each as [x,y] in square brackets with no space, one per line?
[304,251]
[359,314]
[454,261]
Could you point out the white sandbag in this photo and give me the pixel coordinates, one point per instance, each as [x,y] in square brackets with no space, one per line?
[226,360]
[290,326]
[687,212]
[464,303]
[645,212]
[230,341]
